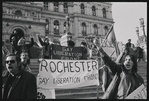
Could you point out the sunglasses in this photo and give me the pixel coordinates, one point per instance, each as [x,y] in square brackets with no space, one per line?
[11,61]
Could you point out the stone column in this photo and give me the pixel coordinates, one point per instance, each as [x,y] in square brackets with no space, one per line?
[61,27]
[61,7]
[51,6]
[100,11]
[51,25]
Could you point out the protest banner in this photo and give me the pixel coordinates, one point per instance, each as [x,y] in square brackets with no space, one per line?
[67,53]
[139,93]
[44,93]
[67,73]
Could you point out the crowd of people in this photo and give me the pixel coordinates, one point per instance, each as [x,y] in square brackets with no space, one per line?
[20,83]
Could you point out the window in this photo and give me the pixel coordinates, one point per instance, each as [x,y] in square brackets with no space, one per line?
[4,10]
[18,13]
[82,9]
[106,30]
[83,29]
[45,5]
[65,8]
[56,6]
[95,29]
[47,26]
[65,27]
[104,12]
[93,11]
[56,27]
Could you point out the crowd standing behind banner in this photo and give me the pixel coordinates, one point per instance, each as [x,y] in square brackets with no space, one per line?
[119,72]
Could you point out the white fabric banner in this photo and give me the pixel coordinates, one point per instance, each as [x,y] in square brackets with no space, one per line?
[139,93]
[67,73]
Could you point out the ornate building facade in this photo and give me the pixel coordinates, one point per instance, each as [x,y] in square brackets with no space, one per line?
[48,19]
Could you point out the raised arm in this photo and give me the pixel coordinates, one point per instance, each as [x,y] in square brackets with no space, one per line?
[39,40]
[32,43]
[108,61]
[119,58]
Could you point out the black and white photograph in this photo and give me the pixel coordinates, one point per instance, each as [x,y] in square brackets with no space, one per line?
[74,50]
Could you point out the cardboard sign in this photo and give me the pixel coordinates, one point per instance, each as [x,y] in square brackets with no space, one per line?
[43,93]
[139,93]
[67,73]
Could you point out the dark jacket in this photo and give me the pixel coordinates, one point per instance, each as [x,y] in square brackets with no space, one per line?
[25,47]
[128,44]
[17,36]
[23,87]
[46,52]
[127,83]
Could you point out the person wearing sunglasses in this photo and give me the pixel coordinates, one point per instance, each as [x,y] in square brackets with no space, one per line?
[19,84]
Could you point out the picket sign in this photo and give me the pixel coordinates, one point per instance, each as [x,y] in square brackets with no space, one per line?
[139,93]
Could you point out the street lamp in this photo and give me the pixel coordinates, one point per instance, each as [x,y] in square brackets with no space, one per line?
[137,32]
[142,25]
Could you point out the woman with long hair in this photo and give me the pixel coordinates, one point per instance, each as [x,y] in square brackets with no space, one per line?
[126,79]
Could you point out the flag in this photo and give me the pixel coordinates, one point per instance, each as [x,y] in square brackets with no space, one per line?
[112,40]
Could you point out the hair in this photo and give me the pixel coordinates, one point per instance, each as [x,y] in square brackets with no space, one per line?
[84,43]
[129,39]
[17,57]
[134,60]
[2,43]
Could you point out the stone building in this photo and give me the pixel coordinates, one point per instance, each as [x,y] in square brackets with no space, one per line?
[48,18]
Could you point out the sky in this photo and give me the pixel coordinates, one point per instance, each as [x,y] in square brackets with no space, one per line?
[126,16]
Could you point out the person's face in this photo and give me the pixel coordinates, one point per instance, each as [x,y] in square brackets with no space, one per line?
[24,57]
[13,38]
[12,64]
[82,45]
[22,42]
[128,63]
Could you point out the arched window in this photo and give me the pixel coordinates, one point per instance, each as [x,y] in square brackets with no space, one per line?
[18,13]
[56,6]
[82,9]
[65,27]
[104,12]
[65,8]
[56,27]
[93,10]
[83,29]
[106,29]
[95,29]
[47,26]
[45,5]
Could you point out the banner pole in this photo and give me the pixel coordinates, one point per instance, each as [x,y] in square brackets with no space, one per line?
[105,37]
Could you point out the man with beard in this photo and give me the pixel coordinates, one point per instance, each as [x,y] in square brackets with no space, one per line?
[19,84]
